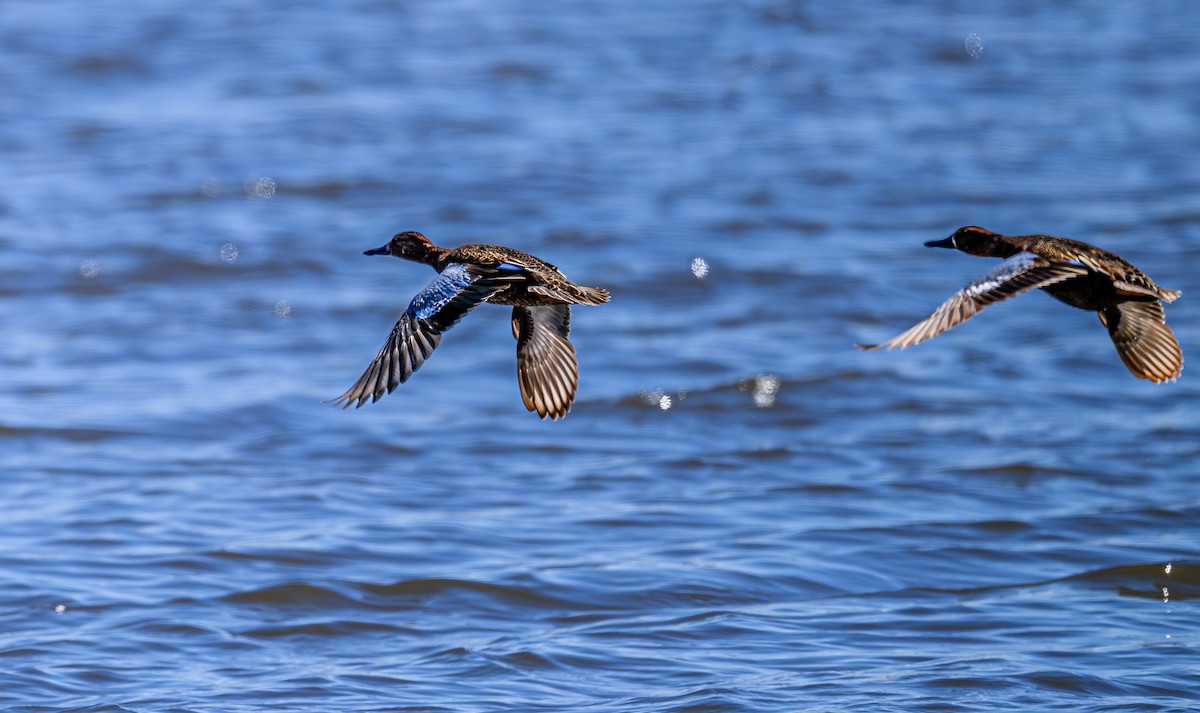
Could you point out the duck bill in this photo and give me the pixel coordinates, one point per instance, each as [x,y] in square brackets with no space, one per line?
[943,243]
[381,250]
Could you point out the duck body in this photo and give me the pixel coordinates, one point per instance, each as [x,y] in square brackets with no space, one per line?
[1076,273]
[469,275]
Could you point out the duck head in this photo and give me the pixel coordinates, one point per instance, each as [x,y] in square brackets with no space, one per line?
[409,245]
[974,241]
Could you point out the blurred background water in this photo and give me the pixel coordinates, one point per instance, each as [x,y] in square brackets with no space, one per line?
[742,513]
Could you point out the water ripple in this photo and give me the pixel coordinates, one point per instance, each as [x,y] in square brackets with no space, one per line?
[742,512]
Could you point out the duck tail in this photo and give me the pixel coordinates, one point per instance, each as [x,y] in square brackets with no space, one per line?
[592,296]
[1169,295]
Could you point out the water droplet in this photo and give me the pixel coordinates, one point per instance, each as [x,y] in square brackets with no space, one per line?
[283,309]
[60,608]
[1168,568]
[766,388]
[700,268]
[657,398]
[1166,594]
[229,252]
[974,45]
[259,186]
[89,269]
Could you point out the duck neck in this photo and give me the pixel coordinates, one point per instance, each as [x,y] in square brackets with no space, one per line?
[1005,251]
[427,253]
[435,257]
[1010,246]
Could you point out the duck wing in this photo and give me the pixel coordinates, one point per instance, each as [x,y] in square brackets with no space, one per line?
[546,367]
[1145,342]
[1020,273]
[444,301]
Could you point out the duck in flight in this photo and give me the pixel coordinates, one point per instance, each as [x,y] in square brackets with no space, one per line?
[541,298]
[1128,302]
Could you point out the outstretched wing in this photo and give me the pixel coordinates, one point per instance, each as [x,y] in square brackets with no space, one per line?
[546,367]
[1145,342]
[1019,273]
[456,291]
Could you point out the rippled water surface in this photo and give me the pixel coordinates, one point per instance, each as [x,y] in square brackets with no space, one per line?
[742,512]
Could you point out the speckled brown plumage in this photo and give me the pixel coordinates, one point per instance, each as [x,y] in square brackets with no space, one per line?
[1071,271]
[540,295]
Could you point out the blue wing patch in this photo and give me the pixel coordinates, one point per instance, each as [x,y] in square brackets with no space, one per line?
[444,301]
[509,267]
[458,290]
[439,293]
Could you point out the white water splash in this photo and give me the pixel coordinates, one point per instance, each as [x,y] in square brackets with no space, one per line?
[657,398]
[766,389]
[974,45]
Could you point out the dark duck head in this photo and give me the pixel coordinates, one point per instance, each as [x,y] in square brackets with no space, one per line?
[409,245]
[974,240]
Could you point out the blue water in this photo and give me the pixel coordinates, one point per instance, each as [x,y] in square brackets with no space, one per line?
[742,512]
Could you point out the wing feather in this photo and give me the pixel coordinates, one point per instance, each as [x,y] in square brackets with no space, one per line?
[1019,273]
[1144,341]
[444,301]
[547,370]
